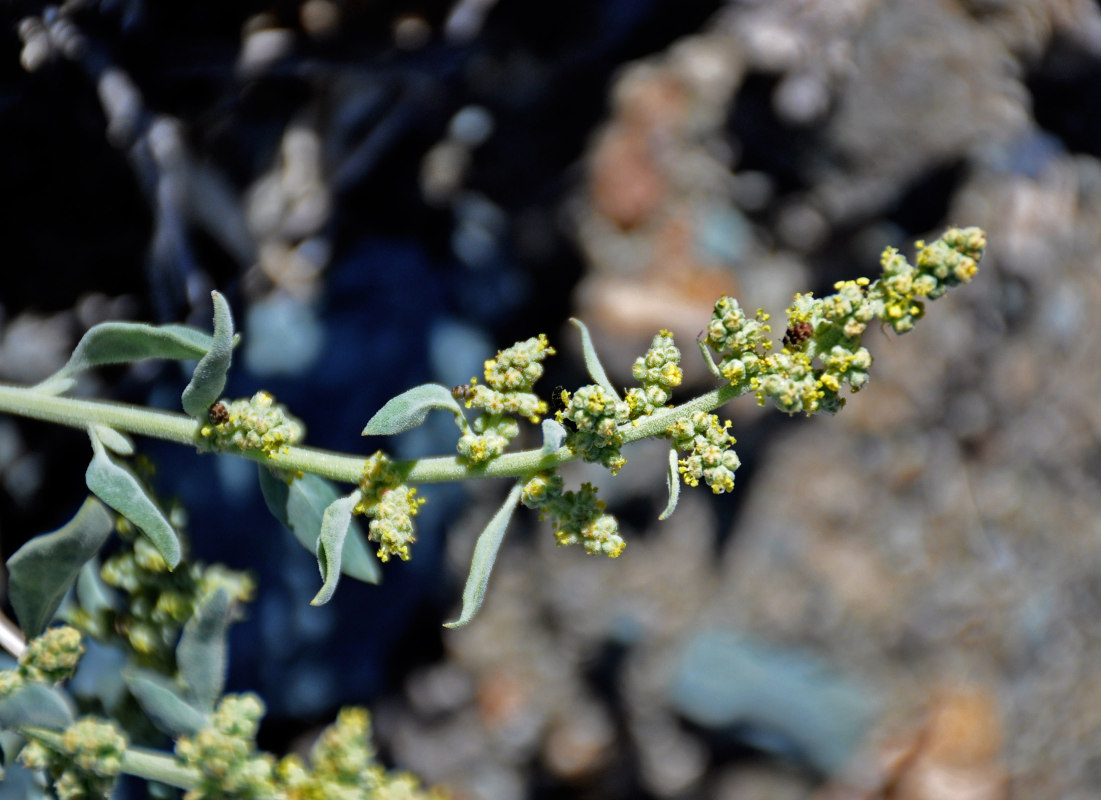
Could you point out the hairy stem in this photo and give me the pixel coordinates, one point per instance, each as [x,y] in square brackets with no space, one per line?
[140,762]
[182,429]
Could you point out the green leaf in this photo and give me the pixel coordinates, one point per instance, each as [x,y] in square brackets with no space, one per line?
[114,441]
[485,553]
[554,435]
[592,361]
[209,378]
[672,481]
[201,653]
[93,595]
[301,507]
[123,342]
[35,706]
[705,351]
[162,702]
[42,570]
[409,409]
[330,545]
[118,488]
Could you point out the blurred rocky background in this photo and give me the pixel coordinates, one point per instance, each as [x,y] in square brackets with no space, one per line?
[898,603]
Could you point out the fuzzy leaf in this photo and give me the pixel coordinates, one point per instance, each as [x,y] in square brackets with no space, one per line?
[42,570]
[209,378]
[485,553]
[672,481]
[163,703]
[93,595]
[114,441]
[330,544]
[592,361]
[301,507]
[123,342]
[705,352]
[201,653]
[35,706]
[118,488]
[409,409]
[554,435]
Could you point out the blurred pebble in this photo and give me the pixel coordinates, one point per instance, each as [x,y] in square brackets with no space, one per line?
[319,18]
[578,742]
[282,336]
[725,679]
[472,125]
[457,350]
[411,32]
[262,48]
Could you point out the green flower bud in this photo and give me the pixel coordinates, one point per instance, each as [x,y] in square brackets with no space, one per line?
[54,655]
[258,423]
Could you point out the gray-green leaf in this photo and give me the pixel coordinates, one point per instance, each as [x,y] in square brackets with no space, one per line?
[705,352]
[162,702]
[114,441]
[209,378]
[330,544]
[42,570]
[118,488]
[409,409]
[672,481]
[592,361]
[301,507]
[35,706]
[201,653]
[485,554]
[554,435]
[123,342]
[93,595]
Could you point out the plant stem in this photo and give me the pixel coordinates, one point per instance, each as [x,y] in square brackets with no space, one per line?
[140,762]
[182,429]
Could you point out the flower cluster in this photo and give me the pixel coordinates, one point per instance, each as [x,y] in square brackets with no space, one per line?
[710,455]
[823,348]
[224,753]
[91,759]
[391,505]
[258,423]
[53,656]
[741,342]
[578,517]
[159,601]
[597,416]
[507,393]
[344,766]
[49,658]
[659,373]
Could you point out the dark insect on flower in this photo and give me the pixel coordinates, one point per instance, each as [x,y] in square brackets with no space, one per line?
[798,333]
[218,413]
[464,391]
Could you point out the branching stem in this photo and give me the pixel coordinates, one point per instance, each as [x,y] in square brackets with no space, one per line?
[137,761]
[182,429]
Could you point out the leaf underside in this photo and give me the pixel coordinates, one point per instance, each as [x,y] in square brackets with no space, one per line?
[41,572]
[301,505]
[116,486]
[485,554]
[201,653]
[209,378]
[410,408]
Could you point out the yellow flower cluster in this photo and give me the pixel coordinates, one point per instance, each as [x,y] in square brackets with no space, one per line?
[258,423]
[578,517]
[391,505]
[659,373]
[506,394]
